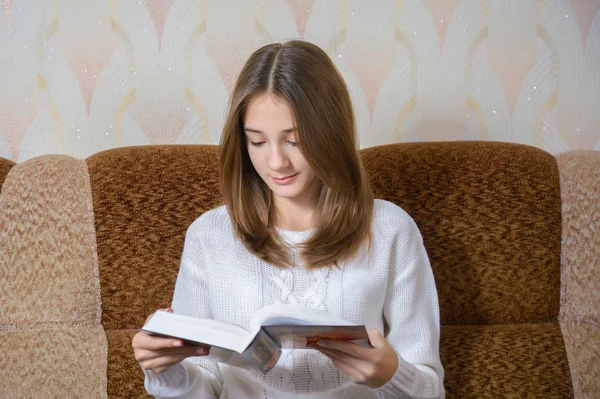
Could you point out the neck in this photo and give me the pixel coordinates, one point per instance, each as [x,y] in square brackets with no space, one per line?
[290,215]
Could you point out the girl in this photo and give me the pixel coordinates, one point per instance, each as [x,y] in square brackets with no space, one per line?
[300,226]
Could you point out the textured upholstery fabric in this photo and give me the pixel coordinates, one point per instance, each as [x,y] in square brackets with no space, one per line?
[144,200]
[490,217]
[126,379]
[505,361]
[580,297]
[66,361]
[5,166]
[100,240]
[49,273]
[50,304]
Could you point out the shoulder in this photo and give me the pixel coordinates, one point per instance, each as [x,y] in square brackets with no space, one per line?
[215,222]
[390,220]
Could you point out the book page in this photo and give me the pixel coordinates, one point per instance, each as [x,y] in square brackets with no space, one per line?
[199,331]
[298,336]
[284,314]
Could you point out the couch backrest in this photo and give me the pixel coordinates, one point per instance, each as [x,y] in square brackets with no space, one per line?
[490,215]
[5,166]
[144,200]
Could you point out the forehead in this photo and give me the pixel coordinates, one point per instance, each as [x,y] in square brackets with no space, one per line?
[268,110]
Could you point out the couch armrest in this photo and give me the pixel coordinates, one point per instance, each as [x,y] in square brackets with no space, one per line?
[52,343]
[580,258]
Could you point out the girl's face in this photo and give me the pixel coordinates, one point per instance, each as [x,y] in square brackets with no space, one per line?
[271,141]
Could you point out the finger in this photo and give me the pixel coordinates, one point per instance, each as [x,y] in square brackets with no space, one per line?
[163,362]
[354,368]
[376,338]
[347,368]
[345,358]
[152,360]
[188,349]
[335,355]
[350,348]
[358,375]
[331,353]
[144,340]
[142,354]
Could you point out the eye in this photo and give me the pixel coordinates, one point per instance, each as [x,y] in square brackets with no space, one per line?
[292,143]
[256,144]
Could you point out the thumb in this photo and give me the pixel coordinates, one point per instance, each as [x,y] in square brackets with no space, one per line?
[377,340]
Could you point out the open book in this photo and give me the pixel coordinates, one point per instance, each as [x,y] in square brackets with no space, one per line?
[272,328]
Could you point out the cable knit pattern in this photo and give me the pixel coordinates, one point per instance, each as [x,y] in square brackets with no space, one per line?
[392,283]
[298,286]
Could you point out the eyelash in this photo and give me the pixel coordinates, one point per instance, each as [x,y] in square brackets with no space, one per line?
[258,144]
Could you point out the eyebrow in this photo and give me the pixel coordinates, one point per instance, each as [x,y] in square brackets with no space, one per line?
[286,131]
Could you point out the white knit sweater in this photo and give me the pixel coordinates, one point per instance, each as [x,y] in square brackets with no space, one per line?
[220,279]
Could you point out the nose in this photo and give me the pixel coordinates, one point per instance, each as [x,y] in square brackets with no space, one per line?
[278,159]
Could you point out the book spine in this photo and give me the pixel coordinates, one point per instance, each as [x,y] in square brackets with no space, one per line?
[263,352]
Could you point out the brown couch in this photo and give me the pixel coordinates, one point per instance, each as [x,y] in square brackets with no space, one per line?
[88,248]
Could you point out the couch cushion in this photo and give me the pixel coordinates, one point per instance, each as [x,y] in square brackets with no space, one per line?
[490,217]
[126,379]
[56,362]
[507,361]
[144,200]
[514,361]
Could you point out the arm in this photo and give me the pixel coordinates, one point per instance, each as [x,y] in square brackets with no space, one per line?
[406,363]
[195,377]
[412,313]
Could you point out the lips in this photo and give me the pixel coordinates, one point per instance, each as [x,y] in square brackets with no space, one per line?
[284,179]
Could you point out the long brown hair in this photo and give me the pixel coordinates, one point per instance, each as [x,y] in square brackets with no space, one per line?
[305,77]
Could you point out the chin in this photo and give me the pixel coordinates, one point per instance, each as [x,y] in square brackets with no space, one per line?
[289,192]
[286,194]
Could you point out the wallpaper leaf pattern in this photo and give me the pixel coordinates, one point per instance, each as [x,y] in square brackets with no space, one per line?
[82,76]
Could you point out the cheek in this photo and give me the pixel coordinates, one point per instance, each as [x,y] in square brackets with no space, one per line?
[256,160]
[302,164]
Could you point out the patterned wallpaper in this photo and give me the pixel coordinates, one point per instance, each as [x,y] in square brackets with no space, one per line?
[81,76]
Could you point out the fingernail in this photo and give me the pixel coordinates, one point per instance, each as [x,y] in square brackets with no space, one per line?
[202,351]
[177,343]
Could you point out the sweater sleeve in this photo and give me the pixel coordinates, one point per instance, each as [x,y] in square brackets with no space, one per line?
[195,377]
[411,311]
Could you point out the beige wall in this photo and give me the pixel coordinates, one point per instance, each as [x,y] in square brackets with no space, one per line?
[80,76]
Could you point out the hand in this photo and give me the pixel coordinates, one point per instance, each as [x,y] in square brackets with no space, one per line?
[372,367]
[157,354]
